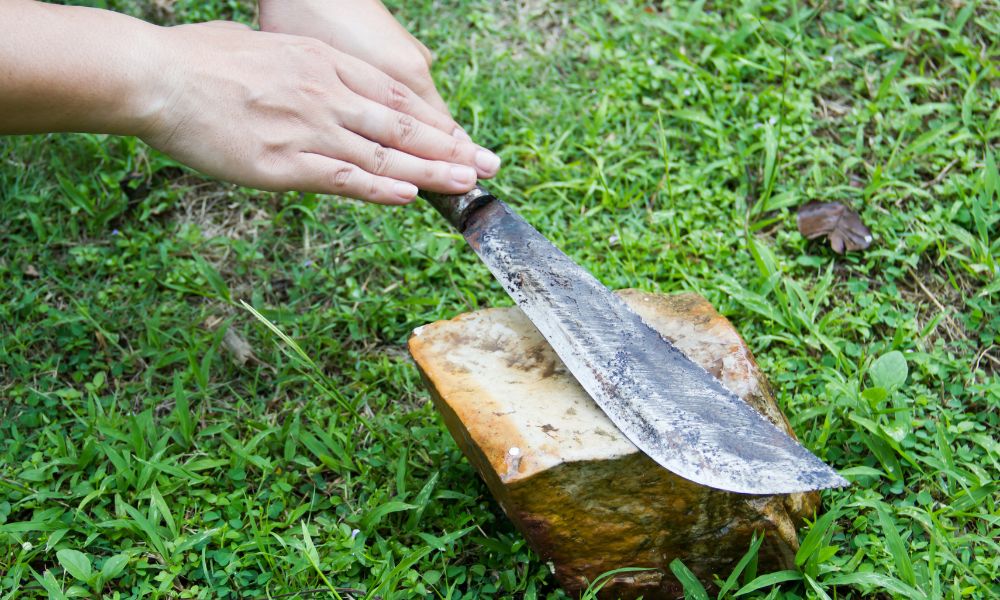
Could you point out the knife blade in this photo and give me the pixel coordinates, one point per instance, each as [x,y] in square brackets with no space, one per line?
[667,405]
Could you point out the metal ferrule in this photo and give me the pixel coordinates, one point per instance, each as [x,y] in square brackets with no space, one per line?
[457,209]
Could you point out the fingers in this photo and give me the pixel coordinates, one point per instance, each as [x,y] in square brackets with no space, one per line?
[431,175]
[367,81]
[323,175]
[397,117]
[403,132]
[414,94]
[422,49]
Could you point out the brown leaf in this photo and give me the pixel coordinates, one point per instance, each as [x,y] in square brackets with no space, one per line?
[237,346]
[31,271]
[212,321]
[101,340]
[841,225]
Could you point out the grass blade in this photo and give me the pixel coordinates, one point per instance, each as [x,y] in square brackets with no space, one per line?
[768,580]
[693,589]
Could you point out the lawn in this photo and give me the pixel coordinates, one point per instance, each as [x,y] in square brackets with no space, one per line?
[664,146]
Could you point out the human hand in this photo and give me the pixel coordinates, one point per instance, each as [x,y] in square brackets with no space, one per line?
[362,28]
[281,112]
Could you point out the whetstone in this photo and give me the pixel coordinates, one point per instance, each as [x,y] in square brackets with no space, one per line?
[585,498]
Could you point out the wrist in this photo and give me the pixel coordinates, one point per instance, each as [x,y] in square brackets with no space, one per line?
[71,68]
[149,87]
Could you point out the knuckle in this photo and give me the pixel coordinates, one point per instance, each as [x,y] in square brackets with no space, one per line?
[349,111]
[312,87]
[341,177]
[313,48]
[312,93]
[422,82]
[379,160]
[398,96]
[270,160]
[420,63]
[425,53]
[270,146]
[455,148]
[421,69]
[405,128]
[273,172]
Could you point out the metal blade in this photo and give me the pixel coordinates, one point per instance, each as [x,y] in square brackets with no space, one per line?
[671,408]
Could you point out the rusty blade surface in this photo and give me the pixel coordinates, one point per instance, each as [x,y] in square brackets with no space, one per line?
[669,407]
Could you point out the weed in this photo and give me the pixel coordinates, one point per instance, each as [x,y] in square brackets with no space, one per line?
[663,146]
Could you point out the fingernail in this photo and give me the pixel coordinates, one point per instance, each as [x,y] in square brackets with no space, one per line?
[460,134]
[463,175]
[487,161]
[406,191]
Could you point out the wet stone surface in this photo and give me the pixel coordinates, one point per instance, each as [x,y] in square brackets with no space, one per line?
[584,497]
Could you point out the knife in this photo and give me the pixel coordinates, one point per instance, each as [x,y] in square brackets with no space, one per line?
[668,406]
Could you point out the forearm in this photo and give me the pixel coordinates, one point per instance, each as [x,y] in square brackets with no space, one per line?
[274,111]
[66,68]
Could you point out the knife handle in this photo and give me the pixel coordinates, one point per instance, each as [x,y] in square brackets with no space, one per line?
[456,209]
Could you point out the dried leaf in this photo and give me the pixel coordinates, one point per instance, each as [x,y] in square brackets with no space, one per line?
[163,9]
[237,346]
[841,225]
[31,271]
[211,322]
[101,340]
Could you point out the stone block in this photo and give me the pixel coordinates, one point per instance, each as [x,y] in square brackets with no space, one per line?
[585,498]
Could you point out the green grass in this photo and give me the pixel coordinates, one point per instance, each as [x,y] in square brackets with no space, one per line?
[664,147]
